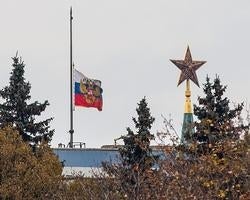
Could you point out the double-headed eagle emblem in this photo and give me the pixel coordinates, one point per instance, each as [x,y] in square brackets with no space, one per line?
[91,89]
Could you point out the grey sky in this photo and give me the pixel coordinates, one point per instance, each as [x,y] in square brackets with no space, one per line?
[126,44]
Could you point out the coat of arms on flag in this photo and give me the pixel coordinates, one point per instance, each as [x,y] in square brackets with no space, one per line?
[88,92]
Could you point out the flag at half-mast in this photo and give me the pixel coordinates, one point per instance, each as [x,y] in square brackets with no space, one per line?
[88,92]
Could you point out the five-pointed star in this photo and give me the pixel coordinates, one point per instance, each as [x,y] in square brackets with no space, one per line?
[188,68]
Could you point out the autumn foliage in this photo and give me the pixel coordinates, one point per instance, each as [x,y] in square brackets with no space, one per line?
[25,174]
[215,164]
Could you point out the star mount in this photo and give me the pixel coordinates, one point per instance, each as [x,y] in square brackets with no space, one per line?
[188,68]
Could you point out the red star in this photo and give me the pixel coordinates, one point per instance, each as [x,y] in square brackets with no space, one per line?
[188,68]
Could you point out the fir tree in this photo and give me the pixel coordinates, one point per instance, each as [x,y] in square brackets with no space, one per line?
[136,152]
[216,120]
[135,172]
[16,112]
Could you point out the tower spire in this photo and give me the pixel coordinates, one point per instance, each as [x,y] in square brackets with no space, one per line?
[187,129]
[188,69]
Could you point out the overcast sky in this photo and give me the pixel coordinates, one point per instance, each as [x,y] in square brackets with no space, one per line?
[127,45]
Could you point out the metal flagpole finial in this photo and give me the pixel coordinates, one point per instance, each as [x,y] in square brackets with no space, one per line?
[71,17]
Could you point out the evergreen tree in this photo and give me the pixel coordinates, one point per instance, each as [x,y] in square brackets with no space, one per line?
[216,120]
[134,173]
[16,112]
[136,152]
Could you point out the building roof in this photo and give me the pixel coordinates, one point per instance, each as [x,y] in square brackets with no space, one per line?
[88,160]
[86,157]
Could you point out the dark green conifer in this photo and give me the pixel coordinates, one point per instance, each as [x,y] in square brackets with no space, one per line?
[15,110]
[216,120]
[136,152]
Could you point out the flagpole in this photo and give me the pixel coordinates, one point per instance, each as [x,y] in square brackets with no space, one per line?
[71,131]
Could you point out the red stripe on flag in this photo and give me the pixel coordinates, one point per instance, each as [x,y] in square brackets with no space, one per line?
[80,100]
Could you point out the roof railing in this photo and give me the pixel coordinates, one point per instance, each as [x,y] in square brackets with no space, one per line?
[75,145]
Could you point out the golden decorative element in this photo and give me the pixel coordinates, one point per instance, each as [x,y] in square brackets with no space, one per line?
[188,104]
[90,90]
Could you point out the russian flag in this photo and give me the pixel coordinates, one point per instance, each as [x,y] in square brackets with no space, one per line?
[88,92]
